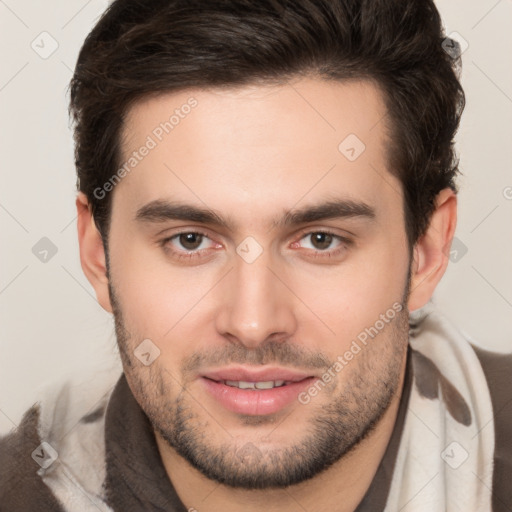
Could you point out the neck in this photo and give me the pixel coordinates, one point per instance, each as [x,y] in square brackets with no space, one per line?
[340,488]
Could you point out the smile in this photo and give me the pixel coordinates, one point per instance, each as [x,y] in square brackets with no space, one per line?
[269,384]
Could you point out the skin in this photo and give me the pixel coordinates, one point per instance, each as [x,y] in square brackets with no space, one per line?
[250,154]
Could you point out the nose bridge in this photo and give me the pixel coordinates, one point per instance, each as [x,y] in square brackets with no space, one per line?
[257,305]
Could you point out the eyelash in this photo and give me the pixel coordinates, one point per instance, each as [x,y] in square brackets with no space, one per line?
[345,243]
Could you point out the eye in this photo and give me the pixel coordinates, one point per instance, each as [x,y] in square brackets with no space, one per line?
[190,241]
[324,243]
[187,244]
[320,240]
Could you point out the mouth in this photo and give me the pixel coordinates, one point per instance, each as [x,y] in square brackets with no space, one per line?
[255,392]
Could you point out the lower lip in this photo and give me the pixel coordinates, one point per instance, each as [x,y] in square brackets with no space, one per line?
[256,402]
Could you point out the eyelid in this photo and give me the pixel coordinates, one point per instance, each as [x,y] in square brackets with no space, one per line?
[325,229]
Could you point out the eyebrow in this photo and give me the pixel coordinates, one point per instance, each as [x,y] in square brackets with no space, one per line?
[160,210]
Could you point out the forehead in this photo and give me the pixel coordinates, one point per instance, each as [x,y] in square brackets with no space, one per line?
[256,150]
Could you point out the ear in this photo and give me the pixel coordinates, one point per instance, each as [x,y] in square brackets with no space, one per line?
[432,250]
[92,252]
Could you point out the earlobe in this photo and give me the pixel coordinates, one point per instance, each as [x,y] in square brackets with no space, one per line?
[430,255]
[92,252]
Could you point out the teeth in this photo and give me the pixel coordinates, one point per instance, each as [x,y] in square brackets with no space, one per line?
[269,384]
[264,385]
[246,385]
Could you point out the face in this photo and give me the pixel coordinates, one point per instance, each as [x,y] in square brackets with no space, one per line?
[258,247]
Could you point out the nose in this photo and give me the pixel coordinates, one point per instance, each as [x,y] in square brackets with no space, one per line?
[256,305]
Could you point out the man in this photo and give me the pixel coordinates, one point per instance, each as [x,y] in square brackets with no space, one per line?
[266,203]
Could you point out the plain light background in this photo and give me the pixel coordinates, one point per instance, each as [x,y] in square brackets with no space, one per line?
[52,326]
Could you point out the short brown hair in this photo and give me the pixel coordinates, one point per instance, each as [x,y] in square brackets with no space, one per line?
[140,48]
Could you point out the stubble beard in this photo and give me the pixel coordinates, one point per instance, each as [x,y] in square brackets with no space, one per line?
[334,429]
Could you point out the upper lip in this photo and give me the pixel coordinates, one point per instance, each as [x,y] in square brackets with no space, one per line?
[246,374]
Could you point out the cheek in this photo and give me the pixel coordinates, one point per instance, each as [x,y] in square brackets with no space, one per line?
[159,300]
[147,295]
[353,297]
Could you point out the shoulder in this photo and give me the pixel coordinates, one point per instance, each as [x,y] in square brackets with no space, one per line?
[21,487]
[498,372]
[497,368]
[62,434]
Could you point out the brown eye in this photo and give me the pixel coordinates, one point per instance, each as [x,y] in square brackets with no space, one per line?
[190,241]
[324,244]
[321,241]
[188,245]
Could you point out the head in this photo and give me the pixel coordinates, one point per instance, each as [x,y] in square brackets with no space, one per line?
[265,186]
